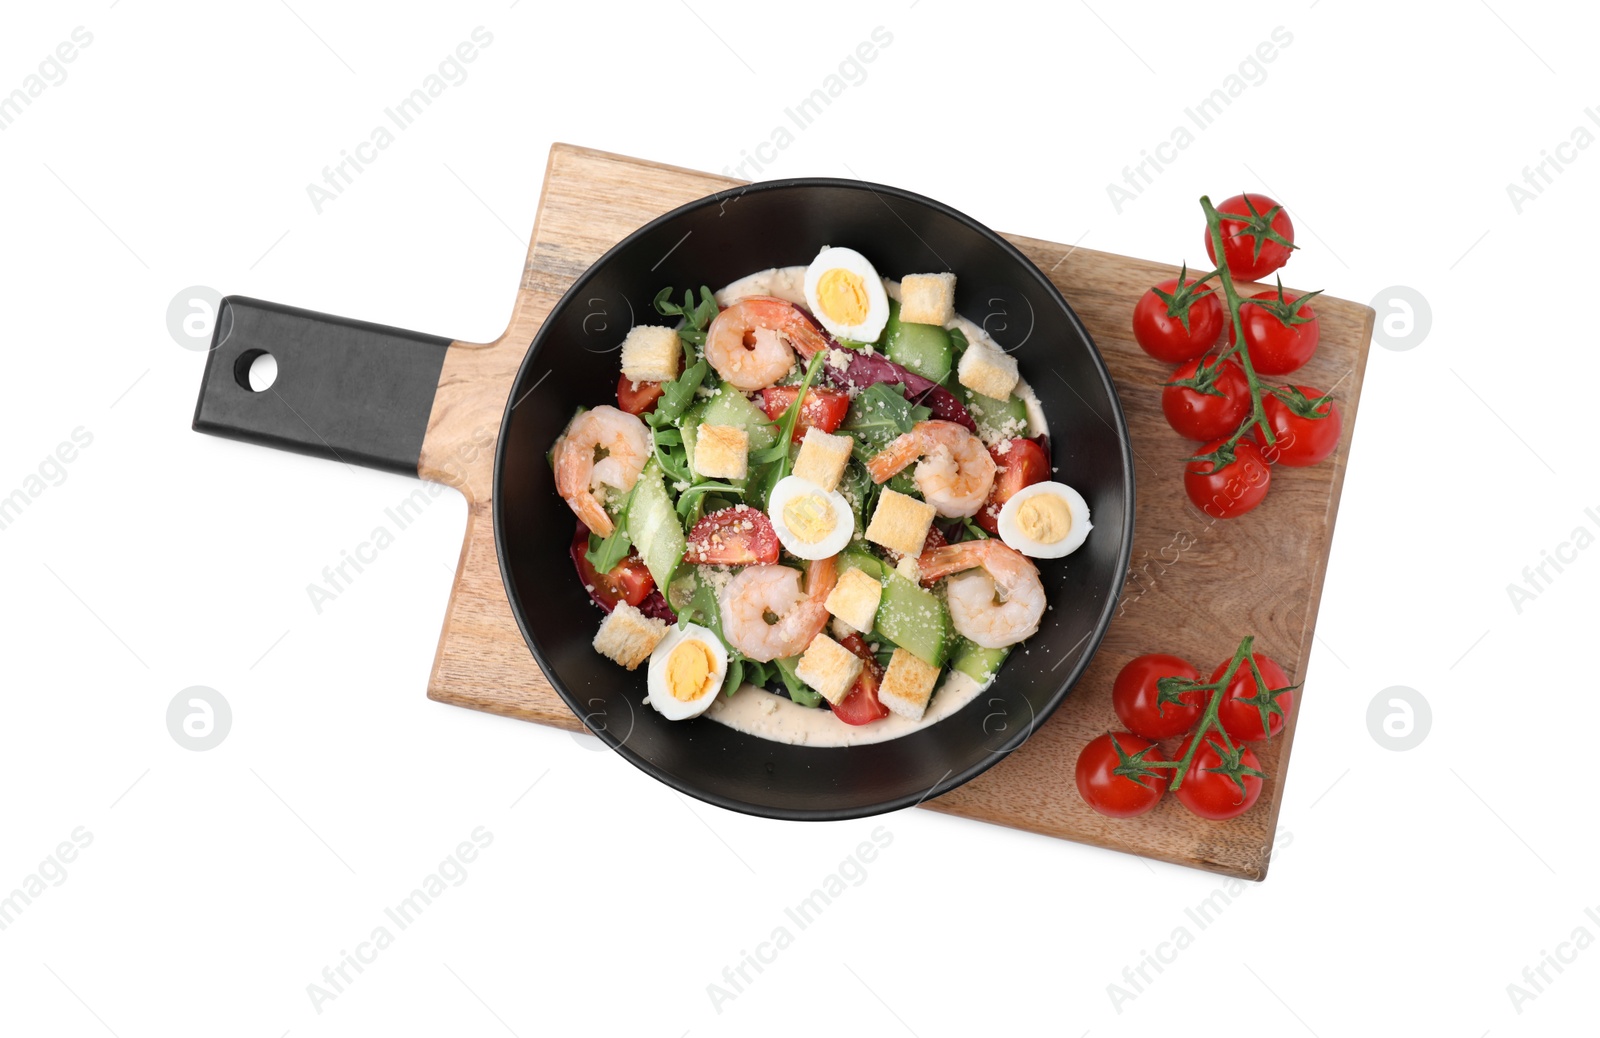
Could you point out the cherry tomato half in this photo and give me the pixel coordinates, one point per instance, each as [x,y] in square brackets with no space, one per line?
[824,408]
[1018,463]
[637,397]
[861,705]
[737,536]
[1203,416]
[628,581]
[1242,720]
[1299,441]
[1113,795]
[1232,490]
[1136,697]
[1164,336]
[1239,245]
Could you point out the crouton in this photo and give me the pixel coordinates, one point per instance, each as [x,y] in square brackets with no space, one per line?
[628,636]
[907,685]
[900,522]
[928,298]
[854,599]
[988,371]
[822,458]
[651,353]
[828,667]
[722,452]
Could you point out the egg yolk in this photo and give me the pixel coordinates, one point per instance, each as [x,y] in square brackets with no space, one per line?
[809,517]
[689,670]
[1044,518]
[842,295]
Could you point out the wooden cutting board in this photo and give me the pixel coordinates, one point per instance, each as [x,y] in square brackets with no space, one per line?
[1195,585]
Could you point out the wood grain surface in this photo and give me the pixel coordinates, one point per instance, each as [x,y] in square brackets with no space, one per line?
[1195,585]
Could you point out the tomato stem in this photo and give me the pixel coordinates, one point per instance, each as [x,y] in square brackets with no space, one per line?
[1258,413]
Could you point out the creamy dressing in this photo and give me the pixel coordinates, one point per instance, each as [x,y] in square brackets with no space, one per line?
[755,711]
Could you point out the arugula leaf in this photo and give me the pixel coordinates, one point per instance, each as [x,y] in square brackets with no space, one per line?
[702,608]
[799,691]
[696,316]
[677,395]
[606,552]
[862,493]
[878,414]
[735,675]
[670,455]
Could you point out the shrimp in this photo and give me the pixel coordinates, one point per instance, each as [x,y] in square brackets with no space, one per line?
[603,446]
[956,471]
[757,592]
[752,343]
[994,592]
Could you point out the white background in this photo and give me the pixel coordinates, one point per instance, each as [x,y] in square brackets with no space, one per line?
[1415,886]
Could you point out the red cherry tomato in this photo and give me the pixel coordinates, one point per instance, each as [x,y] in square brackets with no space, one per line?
[1019,463]
[1242,720]
[861,704]
[628,581]
[1277,347]
[1160,328]
[1135,696]
[1232,490]
[1202,416]
[637,397]
[824,408]
[737,536]
[1114,795]
[1207,789]
[1242,238]
[1300,440]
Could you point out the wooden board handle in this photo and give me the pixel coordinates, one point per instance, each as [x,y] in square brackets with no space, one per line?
[348,390]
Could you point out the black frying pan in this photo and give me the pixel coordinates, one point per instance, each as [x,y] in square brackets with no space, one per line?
[363,393]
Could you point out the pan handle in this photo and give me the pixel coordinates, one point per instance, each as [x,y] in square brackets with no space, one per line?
[348,390]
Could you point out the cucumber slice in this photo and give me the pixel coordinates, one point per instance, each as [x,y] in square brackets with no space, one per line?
[863,560]
[976,662]
[731,407]
[997,419]
[915,619]
[923,348]
[653,525]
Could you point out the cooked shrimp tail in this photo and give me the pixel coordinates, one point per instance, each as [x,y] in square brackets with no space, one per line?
[602,447]
[752,343]
[955,473]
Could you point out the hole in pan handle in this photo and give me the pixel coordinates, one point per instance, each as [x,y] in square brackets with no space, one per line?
[347,390]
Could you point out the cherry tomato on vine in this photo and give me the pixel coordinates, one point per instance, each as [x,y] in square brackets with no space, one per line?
[1018,463]
[1241,719]
[1136,697]
[1202,415]
[1247,242]
[1281,336]
[1177,325]
[1235,488]
[1209,788]
[1300,439]
[1114,795]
